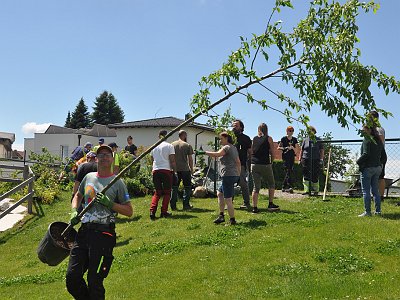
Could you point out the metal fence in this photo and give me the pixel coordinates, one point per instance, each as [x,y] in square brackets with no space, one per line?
[344,184]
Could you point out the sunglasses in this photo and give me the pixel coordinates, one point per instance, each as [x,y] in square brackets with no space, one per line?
[290,130]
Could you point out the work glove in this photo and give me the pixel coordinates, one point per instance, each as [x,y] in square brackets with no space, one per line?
[104,200]
[74,218]
[200,152]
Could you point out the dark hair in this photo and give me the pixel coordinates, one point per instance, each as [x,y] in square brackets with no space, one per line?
[374,132]
[374,114]
[227,135]
[263,128]
[129,138]
[162,132]
[240,123]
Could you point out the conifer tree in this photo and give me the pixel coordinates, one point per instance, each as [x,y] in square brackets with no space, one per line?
[80,116]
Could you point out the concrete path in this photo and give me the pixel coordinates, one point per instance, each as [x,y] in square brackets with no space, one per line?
[12,218]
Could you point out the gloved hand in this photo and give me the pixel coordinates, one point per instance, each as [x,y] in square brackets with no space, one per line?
[200,152]
[74,219]
[104,200]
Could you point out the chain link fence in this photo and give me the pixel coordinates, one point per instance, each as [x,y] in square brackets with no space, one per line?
[347,182]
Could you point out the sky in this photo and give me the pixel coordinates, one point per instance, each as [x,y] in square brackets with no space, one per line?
[150,55]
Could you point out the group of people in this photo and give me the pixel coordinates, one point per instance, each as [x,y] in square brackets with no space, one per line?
[173,164]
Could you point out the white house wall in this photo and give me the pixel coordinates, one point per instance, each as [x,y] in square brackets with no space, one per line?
[149,135]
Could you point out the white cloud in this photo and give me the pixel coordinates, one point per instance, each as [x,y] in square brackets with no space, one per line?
[32,127]
[19,147]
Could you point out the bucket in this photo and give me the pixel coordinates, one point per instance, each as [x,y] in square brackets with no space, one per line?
[54,248]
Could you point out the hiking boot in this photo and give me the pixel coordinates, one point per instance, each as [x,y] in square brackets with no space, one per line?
[244,206]
[152,216]
[378,214]
[255,210]
[188,207]
[290,190]
[165,215]
[232,221]
[365,214]
[272,207]
[219,220]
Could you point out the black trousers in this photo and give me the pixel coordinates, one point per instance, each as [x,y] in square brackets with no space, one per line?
[311,169]
[92,252]
[288,181]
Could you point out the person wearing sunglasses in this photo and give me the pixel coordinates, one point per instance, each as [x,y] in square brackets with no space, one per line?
[287,145]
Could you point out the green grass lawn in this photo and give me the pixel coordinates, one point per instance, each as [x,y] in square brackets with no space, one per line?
[309,250]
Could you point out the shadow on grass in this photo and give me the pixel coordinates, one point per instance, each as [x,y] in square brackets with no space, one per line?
[123,243]
[183,217]
[38,208]
[391,216]
[281,211]
[254,224]
[198,210]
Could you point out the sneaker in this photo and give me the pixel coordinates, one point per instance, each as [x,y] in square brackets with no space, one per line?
[272,207]
[188,207]
[152,216]
[232,221]
[244,206]
[255,210]
[378,214]
[219,220]
[365,214]
[165,215]
[290,190]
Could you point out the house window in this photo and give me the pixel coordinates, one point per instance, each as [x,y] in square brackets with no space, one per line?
[64,152]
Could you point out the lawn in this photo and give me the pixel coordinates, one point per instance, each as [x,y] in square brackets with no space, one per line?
[311,249]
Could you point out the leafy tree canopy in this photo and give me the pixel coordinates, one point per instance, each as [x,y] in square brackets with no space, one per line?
[318,58]
[80,116]
[106,110]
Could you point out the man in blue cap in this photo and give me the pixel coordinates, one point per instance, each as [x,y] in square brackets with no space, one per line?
[101,142]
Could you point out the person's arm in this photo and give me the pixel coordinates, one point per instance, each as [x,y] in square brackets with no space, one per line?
[364,153]
[238,165]
[172,162]
[271,145]
[123,209]
[76,201]
[219,153]
[190,160]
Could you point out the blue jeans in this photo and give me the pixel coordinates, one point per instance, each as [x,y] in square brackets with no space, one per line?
[228,186]
[369,182]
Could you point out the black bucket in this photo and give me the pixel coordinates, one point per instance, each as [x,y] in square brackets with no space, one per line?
[54,248]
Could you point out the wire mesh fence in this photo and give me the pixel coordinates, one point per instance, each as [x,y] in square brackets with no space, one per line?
[347,180]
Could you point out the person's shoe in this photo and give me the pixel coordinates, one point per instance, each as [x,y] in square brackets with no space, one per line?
[305,193]
[188,207]
[290,190]
[314,194]
[165,215]
[284,190]
[365,214]
[378,214]
[219,220]
[255,210]
[272,207]
[232,221]
[152,216]
[244,206]
[173,208]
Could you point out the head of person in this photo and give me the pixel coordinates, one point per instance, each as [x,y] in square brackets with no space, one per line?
[113,146]
[225,138]
[91,156]
[101,141]
[162,133]
[129,140]
[289,130]
[182,135]
[311,131]
[88,146]
[262,129]
[373,118]
[237,126]
[105,156]
[370,130]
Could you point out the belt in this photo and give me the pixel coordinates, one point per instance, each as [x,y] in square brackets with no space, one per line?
[97,226]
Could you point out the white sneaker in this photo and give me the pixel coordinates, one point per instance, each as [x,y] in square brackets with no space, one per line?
[365,214]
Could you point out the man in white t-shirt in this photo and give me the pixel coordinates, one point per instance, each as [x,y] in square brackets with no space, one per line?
[163,168]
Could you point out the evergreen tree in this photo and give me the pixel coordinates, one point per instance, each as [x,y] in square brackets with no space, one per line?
[68,120]
[80,116]
[106,110]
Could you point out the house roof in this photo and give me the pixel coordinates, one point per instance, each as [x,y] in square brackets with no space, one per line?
[97,130]
[7,136]
[160,122]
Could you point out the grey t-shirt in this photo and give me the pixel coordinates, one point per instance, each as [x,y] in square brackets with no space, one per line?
[228,161]
[311,149]
[93,184]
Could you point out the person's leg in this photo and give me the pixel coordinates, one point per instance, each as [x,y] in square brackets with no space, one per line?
[101,248]
[255,172]
[221,205]
[167,184]
[229,191]
[187,184]
[366,190]
[157,193]
[305,163]
[244,186]
[77,266]
[382,183]
[290,173]
[175,187]
[286,180]
[375,189]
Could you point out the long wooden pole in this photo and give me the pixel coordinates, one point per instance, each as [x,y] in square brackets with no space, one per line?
[327,174]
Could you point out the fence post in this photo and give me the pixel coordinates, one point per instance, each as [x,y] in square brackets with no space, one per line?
[30,188]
